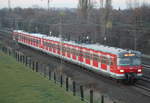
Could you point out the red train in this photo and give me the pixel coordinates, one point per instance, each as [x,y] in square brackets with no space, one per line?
[114,62]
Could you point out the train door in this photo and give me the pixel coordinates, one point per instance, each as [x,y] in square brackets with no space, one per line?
[113,64]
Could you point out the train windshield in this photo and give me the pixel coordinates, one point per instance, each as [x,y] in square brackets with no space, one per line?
[134,61]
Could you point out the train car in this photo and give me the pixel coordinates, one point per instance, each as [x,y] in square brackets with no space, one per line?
[120,64]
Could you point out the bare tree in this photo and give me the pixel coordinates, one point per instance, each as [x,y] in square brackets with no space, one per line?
[136,20]
[9,5]
[101,3]
[105,19]
[84,6]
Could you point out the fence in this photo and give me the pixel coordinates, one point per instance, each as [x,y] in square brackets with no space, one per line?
[87,95]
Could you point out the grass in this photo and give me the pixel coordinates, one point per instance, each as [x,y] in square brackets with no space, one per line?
[18,84]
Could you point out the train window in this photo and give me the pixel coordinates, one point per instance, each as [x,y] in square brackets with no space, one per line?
[44,43]
[129,61]
[54,46]
[124,61]
[68,50]
[64,49]
[111,62]
[104,60]
[57,46]
[73,51]
[136,61]
[50,45]
[96,57]
[80,53]
[34,40]
[47,44]
[87,55]
[19,37]
[37,41]
[77,53]
[29,39]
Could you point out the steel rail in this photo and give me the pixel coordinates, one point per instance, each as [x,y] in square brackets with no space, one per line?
[142,87]
[147,66]
[145,90]
[146,79]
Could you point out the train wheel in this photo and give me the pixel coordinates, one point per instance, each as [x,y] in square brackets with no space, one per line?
[130,79]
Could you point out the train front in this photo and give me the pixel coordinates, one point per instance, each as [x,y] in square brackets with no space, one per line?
[129,64]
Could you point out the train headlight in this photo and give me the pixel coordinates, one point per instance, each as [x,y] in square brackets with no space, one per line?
[139,70]
[121,71]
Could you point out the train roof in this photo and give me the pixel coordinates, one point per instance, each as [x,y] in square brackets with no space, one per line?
[97,47]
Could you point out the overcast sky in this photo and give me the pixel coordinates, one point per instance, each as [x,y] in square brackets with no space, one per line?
[55,3]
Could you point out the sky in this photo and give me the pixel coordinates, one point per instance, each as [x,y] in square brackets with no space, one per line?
[56,3]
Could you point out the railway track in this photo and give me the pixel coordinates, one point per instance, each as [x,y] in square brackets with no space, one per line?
[142,87]
[145,77]
[146,66]
[144,82]
[144,90]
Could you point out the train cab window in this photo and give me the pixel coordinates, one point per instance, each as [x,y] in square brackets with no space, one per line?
[136,61]
[126,61]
